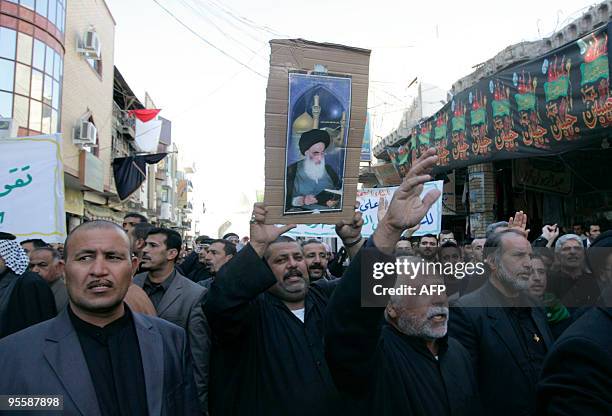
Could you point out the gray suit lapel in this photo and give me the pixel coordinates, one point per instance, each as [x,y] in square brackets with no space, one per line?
[63,352]
[152,353]
[171,295]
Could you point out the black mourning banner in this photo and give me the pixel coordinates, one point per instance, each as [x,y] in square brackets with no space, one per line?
[130,172]
[558,102]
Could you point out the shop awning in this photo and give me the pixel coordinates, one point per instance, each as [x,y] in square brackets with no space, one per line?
[558,102]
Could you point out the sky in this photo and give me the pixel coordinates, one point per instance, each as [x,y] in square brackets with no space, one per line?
[207,68]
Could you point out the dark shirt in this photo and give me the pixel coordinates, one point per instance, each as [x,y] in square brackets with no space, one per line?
[390,372]
[113,357]
[574,293]
[156,291]
[264,360]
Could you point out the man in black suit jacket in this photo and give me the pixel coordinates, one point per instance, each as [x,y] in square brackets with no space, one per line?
[98,355]
[503,329]
[577,374]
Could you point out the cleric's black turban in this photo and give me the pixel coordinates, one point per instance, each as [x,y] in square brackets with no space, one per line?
[312,137]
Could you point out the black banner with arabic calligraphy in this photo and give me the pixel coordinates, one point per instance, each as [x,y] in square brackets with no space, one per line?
[558,102]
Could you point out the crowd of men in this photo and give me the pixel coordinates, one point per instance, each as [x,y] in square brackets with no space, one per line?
[124,320]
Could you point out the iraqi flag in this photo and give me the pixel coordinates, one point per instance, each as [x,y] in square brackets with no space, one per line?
[148,129]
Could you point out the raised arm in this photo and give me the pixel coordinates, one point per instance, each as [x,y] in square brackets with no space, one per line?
[231,302]
[352,332]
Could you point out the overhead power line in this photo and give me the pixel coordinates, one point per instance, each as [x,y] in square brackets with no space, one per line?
[239,62]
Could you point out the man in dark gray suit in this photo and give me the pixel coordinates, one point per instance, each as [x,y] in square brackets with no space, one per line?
[98,355]
[503,329]
[176,299]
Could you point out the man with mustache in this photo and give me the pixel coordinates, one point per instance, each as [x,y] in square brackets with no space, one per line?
[98,355]
[503,329]
[316,258]
[407,365]
[176,299]
[267,353]
[569,280]
[428,247]
[220,252]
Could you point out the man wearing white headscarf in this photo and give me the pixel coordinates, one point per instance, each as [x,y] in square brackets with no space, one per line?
[25,298]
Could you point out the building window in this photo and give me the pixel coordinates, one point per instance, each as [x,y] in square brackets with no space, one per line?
[96,65]
[30,82]
[52,10]
[164,197]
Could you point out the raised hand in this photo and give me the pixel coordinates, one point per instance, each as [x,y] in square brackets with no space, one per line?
[519,222]
[261,234]
[407,209]
[550,233]
[349,231]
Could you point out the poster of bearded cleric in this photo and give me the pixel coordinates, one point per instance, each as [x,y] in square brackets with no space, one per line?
[317,133]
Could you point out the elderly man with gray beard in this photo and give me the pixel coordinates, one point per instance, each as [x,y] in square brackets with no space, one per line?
[406,365]
[308,178]
[503,328]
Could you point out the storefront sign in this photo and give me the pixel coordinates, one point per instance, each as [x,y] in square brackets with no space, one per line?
[541,175]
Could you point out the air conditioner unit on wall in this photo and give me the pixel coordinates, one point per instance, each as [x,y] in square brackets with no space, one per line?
[8,128]
[85,134]
[90,45]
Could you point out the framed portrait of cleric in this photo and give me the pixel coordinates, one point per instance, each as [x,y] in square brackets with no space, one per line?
[318,120]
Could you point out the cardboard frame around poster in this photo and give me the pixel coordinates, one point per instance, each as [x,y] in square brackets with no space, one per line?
[297,55]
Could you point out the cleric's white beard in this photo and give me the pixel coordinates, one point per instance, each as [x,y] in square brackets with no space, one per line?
[314,171]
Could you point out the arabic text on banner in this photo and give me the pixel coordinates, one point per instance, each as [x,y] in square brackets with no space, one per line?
[368,199]
[32,188]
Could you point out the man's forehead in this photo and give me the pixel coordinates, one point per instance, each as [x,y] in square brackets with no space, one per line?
[285,248]
[515,241]
[314,247]
[41,255]
[98,239]
[158,238]
[570,243]
[217,247]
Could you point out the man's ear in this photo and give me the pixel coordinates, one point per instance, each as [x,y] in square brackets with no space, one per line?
[60,267]
[140,243]
[173,254]
[135,264]
[391,312]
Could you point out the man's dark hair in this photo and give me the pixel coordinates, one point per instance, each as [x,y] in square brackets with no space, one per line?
[280,239]
[492,227]
[203,239]
[141,230]
[36,242]
[404,238]
[228,235]
[173,239]
[96,224]
[141,217]
[228,247]
[447,244]
[594,224]
[446,232]
[467,241]
[55,255]
[428,236]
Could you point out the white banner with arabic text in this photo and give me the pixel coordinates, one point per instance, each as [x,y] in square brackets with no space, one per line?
[368,199]
[32,188]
